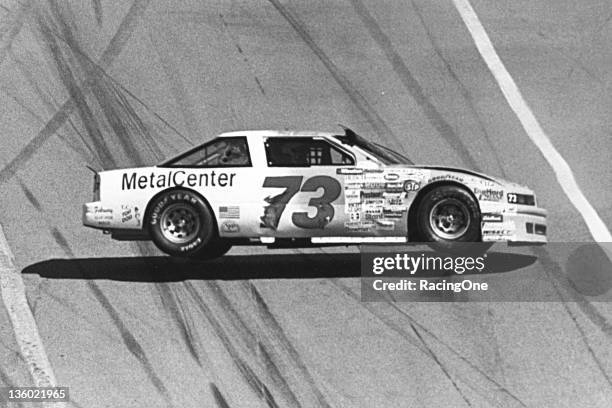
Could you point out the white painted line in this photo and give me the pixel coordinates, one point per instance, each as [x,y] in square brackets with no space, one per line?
[26,331]
[562,170]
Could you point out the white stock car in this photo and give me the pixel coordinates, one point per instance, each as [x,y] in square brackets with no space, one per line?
[296,189]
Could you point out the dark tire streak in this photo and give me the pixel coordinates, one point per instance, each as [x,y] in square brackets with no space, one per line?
[128,339]
[251,343]
[278,333]
[234,40]
[362,104]
[219,398]
[70,82]
[554,274]
[122,35]
[130,342]
[412,85]
[465,93]
[506,396]
[442,366]
[257,386]
[30,196]
[180,318]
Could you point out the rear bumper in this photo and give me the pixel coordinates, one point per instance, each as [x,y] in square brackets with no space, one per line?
[97,215]
[528,226]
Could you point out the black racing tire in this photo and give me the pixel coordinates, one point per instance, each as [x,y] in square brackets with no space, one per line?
[448,218]
[180,223]
[214,249]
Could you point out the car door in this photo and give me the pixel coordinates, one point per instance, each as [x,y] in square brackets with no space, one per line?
[303,194]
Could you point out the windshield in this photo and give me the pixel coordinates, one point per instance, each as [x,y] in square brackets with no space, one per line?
[382,153]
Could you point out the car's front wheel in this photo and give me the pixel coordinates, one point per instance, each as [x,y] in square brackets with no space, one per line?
[180,223]
[449,218]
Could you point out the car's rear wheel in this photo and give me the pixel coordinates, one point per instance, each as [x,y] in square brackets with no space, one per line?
[449,220]
[180,223]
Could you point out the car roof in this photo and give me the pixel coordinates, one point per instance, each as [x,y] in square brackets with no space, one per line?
[277,133]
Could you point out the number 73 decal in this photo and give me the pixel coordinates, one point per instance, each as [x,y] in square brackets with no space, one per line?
[276,205]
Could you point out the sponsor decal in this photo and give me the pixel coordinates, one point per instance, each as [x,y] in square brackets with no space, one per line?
[369,216]
[353,186]
[446,177]
[374,185]
[394,201]
[178,178]
[490,217]
[373,202]
[489,194]
[137,216]
[411,185]
[126,214]
[229,211]
[391,176]
[103,215]
[354,216]
[389,213]
[374,170]
[395,186]
[349,171]
[399,208]
[230,227]
[370,194]
[352,197]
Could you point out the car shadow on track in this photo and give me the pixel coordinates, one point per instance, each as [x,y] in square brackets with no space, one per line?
[286,266]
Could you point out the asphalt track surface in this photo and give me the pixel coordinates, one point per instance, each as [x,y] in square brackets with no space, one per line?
[125,84]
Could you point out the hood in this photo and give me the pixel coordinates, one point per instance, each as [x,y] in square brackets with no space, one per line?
[448,169]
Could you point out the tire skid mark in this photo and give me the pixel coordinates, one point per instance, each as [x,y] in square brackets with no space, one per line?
[236,43]
[554,273]
[442,366]
[251,343]
[412,85]
[174,307]
[362,104]
[71,84]
[509,399]
[219,399]
[97,6]
[278,334]
[180,318]
[177,87]
[128,339]
[107,96]
[130,342]
[30,196]
[72,309]
[116,44]
[256,385]
[17,19]
[61,241]
[465,93]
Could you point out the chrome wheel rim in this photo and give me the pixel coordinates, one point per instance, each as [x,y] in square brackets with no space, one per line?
[180,223]
[449,218]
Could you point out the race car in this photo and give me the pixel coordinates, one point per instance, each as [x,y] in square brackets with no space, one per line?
[302,188]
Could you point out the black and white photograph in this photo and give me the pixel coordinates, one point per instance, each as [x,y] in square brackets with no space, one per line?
[305,203]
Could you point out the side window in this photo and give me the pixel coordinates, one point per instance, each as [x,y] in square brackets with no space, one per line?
[223,152]
[304,152]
